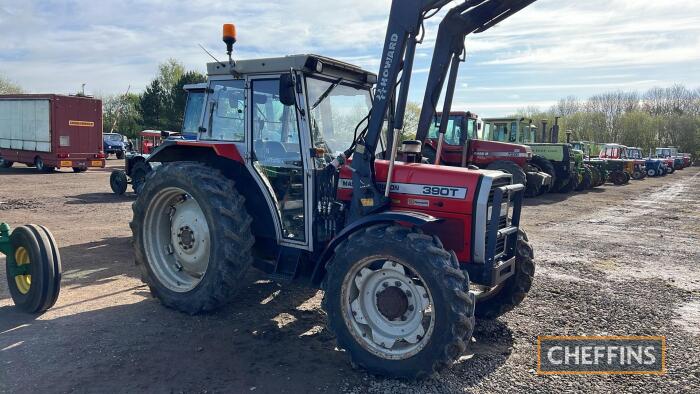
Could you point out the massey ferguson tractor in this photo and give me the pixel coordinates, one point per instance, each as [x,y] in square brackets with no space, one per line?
[461,147]
[285,176]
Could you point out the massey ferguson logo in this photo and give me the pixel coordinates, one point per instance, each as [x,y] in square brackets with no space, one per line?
[383,85]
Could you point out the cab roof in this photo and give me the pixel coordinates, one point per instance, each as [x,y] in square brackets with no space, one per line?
[305,63]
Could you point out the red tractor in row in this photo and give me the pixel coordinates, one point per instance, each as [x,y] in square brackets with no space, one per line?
[285,176]
[462,148]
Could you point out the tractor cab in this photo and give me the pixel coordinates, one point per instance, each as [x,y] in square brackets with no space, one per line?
[562,159]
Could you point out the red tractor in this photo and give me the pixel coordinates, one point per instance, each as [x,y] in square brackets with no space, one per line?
[285,176]
[462,148]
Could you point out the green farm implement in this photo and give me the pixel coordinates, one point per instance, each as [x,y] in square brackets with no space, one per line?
[33,266]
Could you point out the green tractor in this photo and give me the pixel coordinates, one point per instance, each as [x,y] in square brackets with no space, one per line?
[33,266]
[597,167]
[556,159]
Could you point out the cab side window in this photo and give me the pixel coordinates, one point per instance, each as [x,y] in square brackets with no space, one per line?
[227,120]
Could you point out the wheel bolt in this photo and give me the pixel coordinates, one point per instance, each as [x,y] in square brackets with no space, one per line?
[403,318]
[385,284]
[411,308]
[397,284]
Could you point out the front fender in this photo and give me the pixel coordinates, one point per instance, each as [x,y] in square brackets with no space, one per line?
[411,217]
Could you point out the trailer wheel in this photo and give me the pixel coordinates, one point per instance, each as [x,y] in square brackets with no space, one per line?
[39,164]
[398,302]
[34,280]
[494,302]
[118,182]
[6,163]
[139,172]
[192,237]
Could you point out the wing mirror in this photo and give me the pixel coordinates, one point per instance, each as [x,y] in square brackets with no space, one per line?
[287,91]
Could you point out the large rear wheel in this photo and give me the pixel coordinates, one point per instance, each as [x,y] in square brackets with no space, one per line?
[545,165]
[492,303]
[398,302]
[192,237]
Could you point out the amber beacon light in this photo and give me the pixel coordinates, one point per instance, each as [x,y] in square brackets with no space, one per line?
[229,35]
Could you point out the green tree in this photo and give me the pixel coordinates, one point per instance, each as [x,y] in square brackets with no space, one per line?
[152,104]
[169,73]
[124,113]
[8,87]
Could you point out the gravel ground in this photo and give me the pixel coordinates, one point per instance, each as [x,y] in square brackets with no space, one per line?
[613,261]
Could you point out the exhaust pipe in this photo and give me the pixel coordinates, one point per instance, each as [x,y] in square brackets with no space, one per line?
[555,131]
[544,130]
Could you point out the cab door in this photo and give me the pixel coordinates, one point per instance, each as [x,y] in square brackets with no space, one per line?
[276,146]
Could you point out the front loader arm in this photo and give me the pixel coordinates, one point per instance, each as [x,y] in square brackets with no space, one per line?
[472,16]
[405,21]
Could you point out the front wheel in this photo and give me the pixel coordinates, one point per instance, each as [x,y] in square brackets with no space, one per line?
[118,182]
[192,237]
[492,303]
[398,302]
[651,172]
[6,163]
[120,155]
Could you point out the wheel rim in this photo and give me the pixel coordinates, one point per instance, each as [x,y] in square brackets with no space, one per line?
[177,239]
[39,164]
[23,282]
[387,309]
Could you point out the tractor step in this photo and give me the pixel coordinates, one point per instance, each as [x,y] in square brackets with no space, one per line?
[288,260]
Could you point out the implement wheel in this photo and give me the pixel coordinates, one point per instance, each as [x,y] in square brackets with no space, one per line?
[398,302]
[34,272]
[494,302]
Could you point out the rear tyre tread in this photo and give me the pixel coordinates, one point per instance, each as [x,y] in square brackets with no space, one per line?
[229,260]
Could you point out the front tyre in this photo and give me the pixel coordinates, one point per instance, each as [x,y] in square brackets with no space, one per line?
[398,302]
[118,182]
[192,237]
[493,303]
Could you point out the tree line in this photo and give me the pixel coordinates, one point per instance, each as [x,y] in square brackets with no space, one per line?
[658,117]
[160,107]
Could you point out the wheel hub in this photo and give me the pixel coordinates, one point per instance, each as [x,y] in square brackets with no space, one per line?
[178,239]
[392,303]
[187,238]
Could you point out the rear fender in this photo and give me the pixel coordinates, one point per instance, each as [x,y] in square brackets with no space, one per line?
[225,157]
[410,218]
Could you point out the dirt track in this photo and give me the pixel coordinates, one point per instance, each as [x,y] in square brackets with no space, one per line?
[616,260]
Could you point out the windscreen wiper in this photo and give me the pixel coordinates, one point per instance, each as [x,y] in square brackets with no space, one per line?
[326,93]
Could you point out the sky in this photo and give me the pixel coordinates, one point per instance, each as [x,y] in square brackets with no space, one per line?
[548,51]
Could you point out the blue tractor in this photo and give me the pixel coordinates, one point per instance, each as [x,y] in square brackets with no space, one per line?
[654,167]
